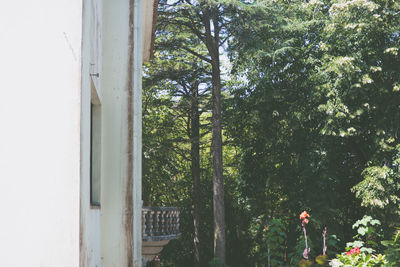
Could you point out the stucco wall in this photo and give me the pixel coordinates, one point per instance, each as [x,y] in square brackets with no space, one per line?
[121,87]
[114,79]
[48,51]
[40,132]
[90,216]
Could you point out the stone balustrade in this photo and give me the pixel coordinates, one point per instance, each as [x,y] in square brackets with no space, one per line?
[160,223]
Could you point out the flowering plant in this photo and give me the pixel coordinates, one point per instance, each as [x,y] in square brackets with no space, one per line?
[303,216]
[353,251]
[321,260]
[358,255]
[356,258]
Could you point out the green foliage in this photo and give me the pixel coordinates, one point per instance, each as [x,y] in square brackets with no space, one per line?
[305,263]
[317,109]
[321,260]
[359,71]
[296,255]
[381,185]
[367,233]
[178,76]
[215,262]
[275,239]
[366,226]
[361,260]
[311,119]
[332,243]
[392,251]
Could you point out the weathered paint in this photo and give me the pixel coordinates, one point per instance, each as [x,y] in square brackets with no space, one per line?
[115,148]
[40,91]
[137,132]
[90,220]
[121,86]
[129,122]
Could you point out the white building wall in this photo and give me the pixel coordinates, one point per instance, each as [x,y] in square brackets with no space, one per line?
[114,79]
[40,132]
[138,52]
[48,51]
[90,216]
[121,87]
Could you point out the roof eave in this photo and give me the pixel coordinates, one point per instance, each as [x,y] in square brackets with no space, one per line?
[149,27]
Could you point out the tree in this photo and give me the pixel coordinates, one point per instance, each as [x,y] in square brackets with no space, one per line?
[207,21]
[185,81]
[360,76]
[311,118]
[318,109]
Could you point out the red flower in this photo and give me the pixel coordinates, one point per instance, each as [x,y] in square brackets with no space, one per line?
[304,215]
[305,221]
[353,251]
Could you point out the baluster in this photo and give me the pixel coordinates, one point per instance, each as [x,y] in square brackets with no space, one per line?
[146,216]
[156,222]
[166,222]
[144,223]
[162,220]
[169,223]
[177,220]
[172,222]
[160,223]
[150,222]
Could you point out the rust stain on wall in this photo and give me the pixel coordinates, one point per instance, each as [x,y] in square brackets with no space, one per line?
[129,183]
[83,255]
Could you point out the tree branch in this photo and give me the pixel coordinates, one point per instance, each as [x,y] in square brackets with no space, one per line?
[197,54]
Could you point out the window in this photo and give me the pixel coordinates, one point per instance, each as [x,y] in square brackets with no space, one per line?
[95,147]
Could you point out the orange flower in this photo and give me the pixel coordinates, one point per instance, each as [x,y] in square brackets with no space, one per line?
[305,221]
[304,215]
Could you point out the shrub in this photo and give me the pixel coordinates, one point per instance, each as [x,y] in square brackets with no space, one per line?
[392,251]
[359,255]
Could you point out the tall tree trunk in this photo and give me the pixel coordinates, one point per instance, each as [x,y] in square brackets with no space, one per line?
[212,44]
[195,169]
[218,180]
[207,14]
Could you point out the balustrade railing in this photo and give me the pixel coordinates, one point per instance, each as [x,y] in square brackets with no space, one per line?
[160,223]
